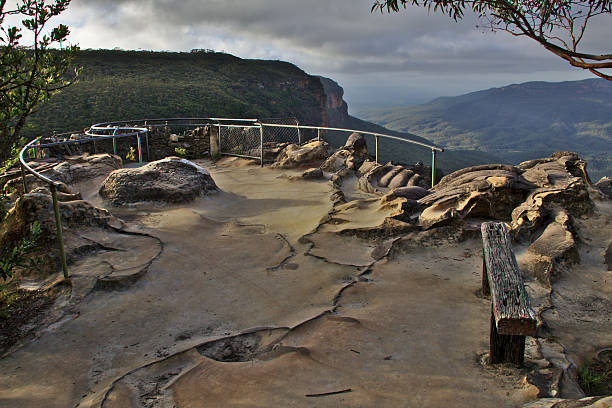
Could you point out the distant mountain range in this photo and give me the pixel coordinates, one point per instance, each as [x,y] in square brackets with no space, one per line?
[517,122]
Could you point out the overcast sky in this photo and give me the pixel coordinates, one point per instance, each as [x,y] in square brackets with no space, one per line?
[379,59]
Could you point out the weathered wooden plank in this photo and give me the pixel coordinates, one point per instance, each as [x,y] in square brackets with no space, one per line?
[511,308]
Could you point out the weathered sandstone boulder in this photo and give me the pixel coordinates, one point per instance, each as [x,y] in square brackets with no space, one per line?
[78,218]
[38,206]
[312,174]
[553,250]
[377,178]
[487,191]
[170,180]
[527,195]
[408,192]
[85,167]
[559,182]
[308,155]
[605,186]
[351,155]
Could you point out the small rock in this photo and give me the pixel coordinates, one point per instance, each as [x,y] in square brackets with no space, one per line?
[312,174]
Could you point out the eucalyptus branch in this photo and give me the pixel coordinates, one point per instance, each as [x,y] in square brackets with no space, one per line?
[558,25]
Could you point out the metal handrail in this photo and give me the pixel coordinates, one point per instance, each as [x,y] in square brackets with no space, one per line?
[434,149]
[137,131]
[53,185]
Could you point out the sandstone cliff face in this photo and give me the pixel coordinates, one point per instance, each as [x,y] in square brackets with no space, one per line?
[336,109]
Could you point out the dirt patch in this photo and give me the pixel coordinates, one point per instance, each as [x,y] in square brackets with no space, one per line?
[20,312]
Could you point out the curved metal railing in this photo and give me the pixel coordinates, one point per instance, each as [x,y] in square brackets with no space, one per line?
[140,128]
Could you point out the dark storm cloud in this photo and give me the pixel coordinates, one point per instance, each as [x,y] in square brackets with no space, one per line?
[338,38]
[341,33]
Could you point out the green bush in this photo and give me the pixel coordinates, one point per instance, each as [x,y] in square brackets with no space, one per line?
[594,381]
[18,255]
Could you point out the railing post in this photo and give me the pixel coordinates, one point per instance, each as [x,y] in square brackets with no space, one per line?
[433,167]
[299,133]
[376,136]
[58,226]
[139,148]
[219,136]
[261,148]
[23,178]
[147,142]
[115,142]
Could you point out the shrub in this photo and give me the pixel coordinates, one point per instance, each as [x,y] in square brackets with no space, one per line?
[18,255]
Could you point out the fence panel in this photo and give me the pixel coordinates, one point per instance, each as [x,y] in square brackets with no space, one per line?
[244,141]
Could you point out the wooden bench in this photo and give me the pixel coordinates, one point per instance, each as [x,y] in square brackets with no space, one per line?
[511,315]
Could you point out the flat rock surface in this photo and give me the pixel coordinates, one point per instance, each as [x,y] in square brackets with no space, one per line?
[264,295]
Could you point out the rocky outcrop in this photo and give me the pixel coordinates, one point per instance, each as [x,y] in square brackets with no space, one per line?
[72,169]
[488,191]
[382,178]
[553,250]
[350,156]
[38,206]
[559,182]
[527,196]
[308,155]
[538,199]
[85,167]
[170,180]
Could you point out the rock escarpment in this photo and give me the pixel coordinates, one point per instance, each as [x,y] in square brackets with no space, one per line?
[170,180]
[539,200]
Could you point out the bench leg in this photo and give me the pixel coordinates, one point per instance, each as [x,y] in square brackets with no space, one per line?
[505,348]
[486,290]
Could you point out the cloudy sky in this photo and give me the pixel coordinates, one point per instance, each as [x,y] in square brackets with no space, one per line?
[380,60]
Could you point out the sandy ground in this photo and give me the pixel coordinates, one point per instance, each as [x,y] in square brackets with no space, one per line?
[251,303]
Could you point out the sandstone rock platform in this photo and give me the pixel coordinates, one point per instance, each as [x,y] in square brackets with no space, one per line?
[274,292]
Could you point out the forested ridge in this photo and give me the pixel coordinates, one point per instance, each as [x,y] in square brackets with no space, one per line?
[117,85]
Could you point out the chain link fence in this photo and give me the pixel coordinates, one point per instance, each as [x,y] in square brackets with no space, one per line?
[242,141]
